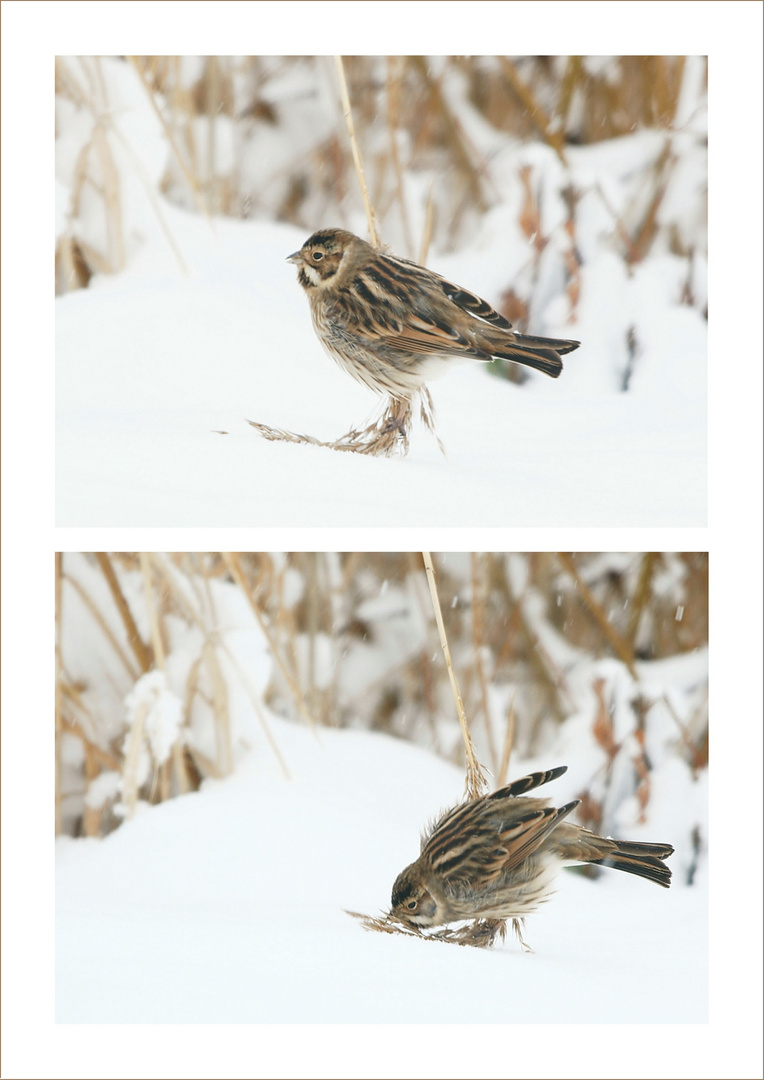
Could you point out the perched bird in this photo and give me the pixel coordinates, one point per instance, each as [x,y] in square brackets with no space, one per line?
[497,857]
[393,325]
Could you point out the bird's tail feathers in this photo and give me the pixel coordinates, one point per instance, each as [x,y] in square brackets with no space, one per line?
[540,353]
[644,860]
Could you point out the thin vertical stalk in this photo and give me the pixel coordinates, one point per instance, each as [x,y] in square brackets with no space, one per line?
[356,151]
[478,607]
[59,693]
[475,781]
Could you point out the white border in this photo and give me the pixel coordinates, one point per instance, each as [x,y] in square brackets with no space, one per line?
[731,34]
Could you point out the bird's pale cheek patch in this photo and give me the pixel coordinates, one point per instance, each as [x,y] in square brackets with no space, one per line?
[311,274]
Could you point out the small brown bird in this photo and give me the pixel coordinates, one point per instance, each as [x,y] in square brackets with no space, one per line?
[393,325]
[497,857]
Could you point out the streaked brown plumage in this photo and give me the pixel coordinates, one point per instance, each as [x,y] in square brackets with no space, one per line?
[393,325]
[497,857]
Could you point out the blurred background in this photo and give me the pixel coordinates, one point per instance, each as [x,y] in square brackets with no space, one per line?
[172,667]
[265,138]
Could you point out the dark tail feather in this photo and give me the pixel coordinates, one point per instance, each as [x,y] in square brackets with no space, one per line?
[543,354]
[644,860]
[560,345]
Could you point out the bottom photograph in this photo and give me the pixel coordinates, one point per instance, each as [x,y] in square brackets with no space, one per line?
[354,787]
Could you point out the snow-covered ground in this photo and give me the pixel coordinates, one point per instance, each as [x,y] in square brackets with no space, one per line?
[227,907]
[158,373]
[159,367]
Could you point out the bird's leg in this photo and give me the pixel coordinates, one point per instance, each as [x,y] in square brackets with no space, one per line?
[397,417]
[518,926]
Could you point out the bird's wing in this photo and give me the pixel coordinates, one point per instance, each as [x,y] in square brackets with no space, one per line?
[528,783]
[462,298]
[425,334]
[479,840]
[523,835]
[474,305]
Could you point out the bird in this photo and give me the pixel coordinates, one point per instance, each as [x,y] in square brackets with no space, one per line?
[497,856]
[393,324]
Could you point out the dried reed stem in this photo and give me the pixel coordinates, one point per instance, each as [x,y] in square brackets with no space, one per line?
[133,746]
[231,559]
[357,160]
[548,672]
[111,187]
[220,708]
[151,608]
[393,64]
[619,645]
[59,693]
[649,226]
[462,150]
[428,228]
[478,607]
[642,594]
[386,436]
[256,705]
[550,134]
[632,255]
[91,816]
[142,652]
[103,626]
[509,742]
[475,783]
[480,934]
[104,758]
[190,178]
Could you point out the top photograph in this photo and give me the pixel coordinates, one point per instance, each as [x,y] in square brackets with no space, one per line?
[362,291]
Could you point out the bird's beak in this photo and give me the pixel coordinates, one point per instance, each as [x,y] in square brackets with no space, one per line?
[294,258]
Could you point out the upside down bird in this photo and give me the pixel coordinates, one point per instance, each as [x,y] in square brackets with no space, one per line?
[497,857]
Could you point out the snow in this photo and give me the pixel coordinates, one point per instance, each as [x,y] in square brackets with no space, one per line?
[227,906]
[159,712]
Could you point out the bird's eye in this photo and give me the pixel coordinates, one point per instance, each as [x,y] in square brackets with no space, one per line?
[318,256]
[411,905]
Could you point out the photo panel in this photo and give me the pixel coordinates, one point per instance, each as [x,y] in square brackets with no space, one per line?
[266,735]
